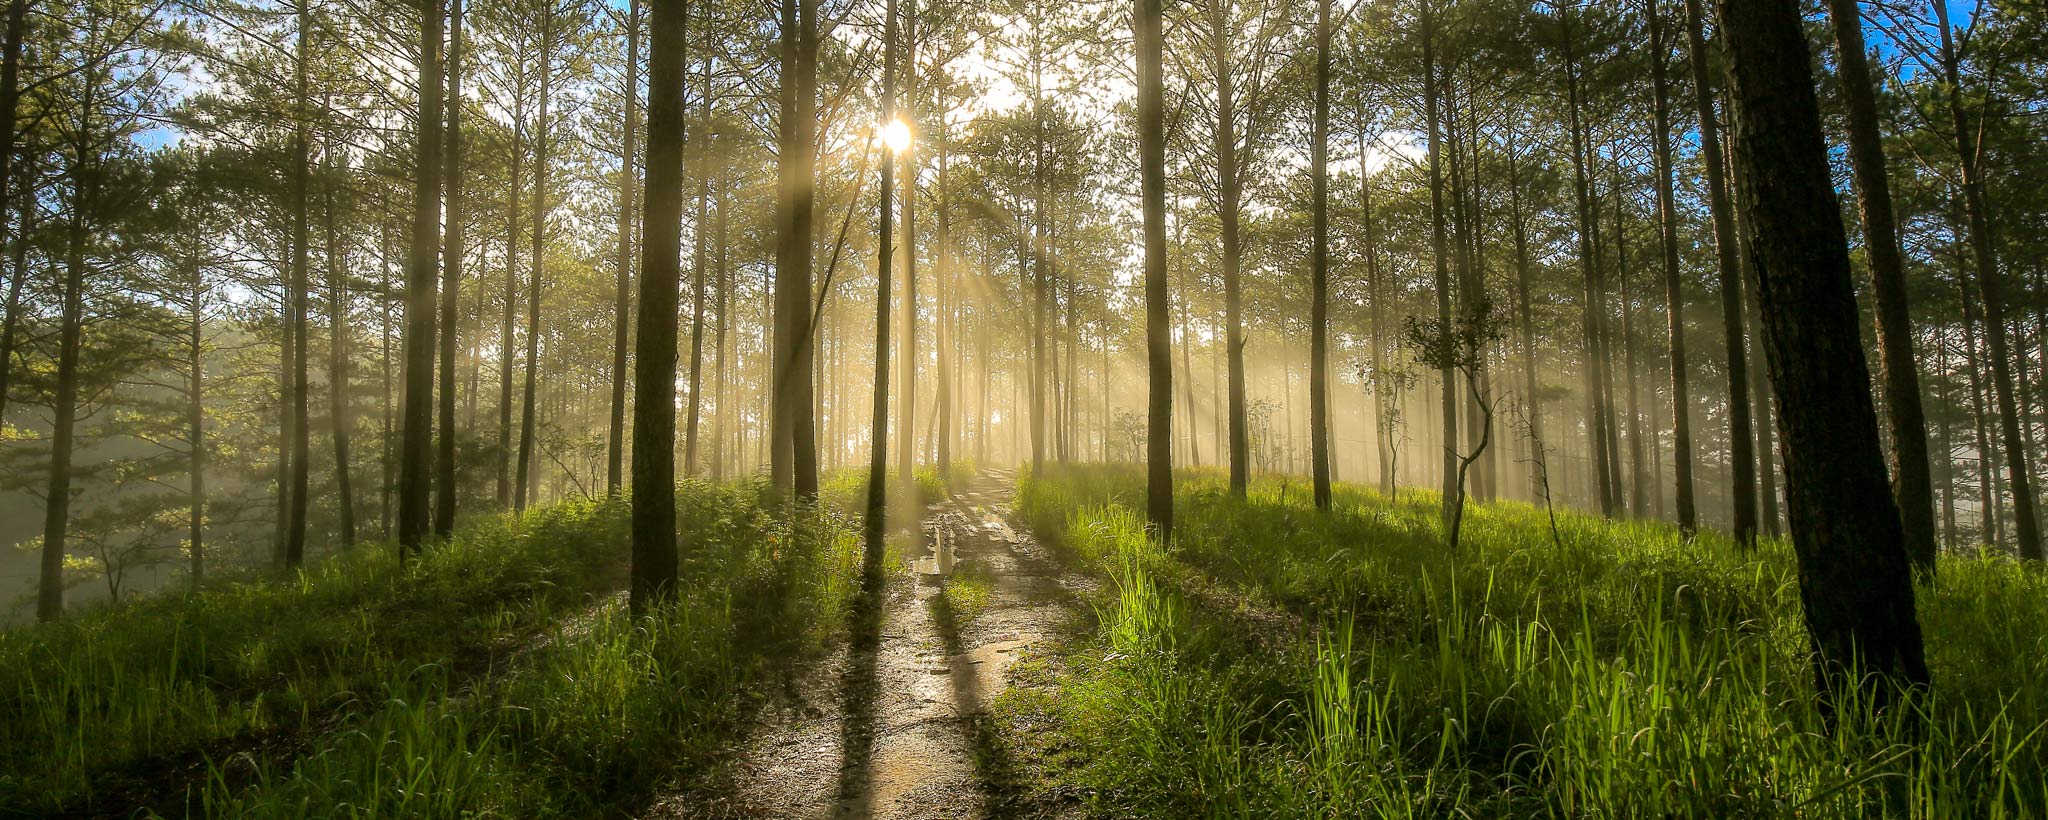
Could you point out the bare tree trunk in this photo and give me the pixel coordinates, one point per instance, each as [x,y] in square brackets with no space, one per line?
[339,401]
[451,277]
[697,263]
[1741,457]
[71,328]
[529,414]
[301,245]
[615,468]
[1150,40]
[1991,293]
[1319,269]
[1439,243]
[511,297]
[1674,288]
[654,359]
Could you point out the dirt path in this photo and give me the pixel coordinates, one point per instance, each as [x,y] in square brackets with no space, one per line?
[893,728]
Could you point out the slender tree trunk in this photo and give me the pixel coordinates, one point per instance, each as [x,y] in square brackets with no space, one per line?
[615,468]
[1634,421]
[451,277]
[1228,213]
[719,394]
[1991,292]
[1319,269]
[510,306]
[195,421]
[1440,247]
[697,262]
[1741,458]
[529,414]
[10,105]
[1150,40]
[654,359]
[70,333]
[339,400]
[874,522]
[1674,287]
[301,243]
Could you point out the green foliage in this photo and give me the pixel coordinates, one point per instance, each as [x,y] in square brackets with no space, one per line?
[1620,671]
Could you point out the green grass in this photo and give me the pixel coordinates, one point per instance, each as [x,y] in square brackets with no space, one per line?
[1276,662]
[494,677]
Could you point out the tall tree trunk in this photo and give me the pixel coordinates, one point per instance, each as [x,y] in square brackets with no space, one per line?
[1440,249]
[1636,483]
[1912,480]
[529,414]
[510,304]
[301,246]
[340,411]
[1741,458]
[1319,269]
[1525,323]
[10,105]
[615,448]
[1228,213]
[70,333]
[724,296]
[1674,286]
[697,262]
[946,293]
[1149,28]
[1856,583]
[195,422]
[451,277]
[1991,292]
[654,358]
[417,418]
[874,521]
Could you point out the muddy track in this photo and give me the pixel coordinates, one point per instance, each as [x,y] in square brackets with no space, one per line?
[894,726]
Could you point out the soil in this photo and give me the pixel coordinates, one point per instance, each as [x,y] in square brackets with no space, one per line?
[895,726]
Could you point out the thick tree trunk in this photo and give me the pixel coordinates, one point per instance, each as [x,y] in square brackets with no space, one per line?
[1741,458]
[1856,581]
[10,104]
[417,418]
[654,359]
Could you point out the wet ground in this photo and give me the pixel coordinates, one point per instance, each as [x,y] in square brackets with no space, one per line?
[893,727]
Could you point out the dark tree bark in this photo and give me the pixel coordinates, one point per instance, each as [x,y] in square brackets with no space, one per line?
[1856,583]
[654,359]
[724,296]
[615,450]
[1912,479]
[1741,457]
[1319,269]
[417,417]
[793,456]
[1229,193]
[451,276]
[874,521]
[1149,28]
[10,105]
[1674,288]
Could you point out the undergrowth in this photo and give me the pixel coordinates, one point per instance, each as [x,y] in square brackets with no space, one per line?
[1612,670]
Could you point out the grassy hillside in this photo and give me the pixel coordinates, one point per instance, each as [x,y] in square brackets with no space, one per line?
[497,675]
[1277,662]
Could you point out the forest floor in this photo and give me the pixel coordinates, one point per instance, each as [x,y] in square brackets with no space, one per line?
[895,723]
